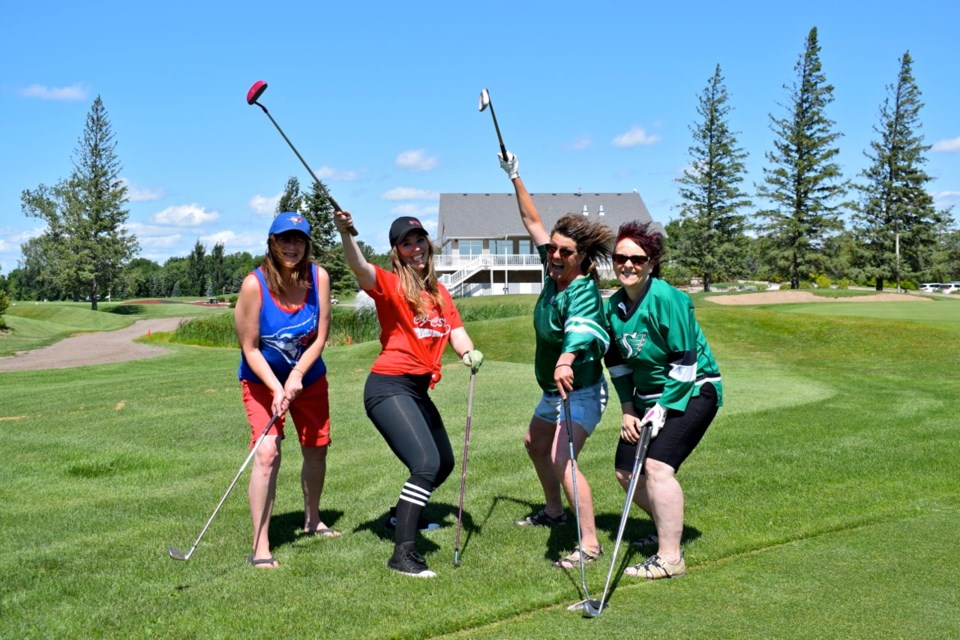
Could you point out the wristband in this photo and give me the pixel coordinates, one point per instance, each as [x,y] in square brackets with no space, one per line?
[562,365]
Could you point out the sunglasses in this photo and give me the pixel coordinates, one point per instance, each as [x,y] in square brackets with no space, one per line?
[564,252]
[621,259]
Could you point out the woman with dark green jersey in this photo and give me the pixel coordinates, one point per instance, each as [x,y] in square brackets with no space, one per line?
[662,369]
[571,341]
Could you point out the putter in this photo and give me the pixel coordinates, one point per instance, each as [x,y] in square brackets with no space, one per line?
[587,605]
[484,103]
[252,96]
[638,459]
[177,554]
[463,472]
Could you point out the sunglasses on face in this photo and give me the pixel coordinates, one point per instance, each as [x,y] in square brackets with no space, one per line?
[622,259]
[563,251]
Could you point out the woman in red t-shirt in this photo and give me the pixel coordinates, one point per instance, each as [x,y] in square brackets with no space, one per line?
[417,319]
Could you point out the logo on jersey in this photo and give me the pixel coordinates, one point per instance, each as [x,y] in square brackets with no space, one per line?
[289,342]
[632,343]
[430,327]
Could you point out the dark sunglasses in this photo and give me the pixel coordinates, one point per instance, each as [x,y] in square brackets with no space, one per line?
[621,259]
[564,252]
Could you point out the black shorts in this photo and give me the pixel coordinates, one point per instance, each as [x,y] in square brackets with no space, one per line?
[680,435]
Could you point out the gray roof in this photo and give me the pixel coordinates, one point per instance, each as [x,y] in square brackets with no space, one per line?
[495,215]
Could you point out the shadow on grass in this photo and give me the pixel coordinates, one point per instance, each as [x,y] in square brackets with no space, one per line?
[287,528]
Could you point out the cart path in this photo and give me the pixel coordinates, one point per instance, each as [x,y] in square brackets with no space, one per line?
[102,347]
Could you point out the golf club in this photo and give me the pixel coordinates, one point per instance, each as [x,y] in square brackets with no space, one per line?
[484,103]
[463,472]
[638,459]
[252,96]
[587,604]
[177,554]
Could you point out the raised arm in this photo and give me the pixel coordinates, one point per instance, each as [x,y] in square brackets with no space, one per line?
[363,270]
[528,211]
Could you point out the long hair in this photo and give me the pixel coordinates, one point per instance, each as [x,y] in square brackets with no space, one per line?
[645,236]
[593,238]
[272,270]
[413,285]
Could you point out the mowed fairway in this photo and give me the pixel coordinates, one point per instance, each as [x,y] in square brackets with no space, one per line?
[823,503]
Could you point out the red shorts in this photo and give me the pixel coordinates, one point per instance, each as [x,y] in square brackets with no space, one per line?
[310,411]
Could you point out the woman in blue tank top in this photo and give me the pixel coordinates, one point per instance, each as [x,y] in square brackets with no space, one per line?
[283,319]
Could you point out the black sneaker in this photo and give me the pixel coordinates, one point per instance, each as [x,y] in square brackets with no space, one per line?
[542,519]
[423,524]
[409,563]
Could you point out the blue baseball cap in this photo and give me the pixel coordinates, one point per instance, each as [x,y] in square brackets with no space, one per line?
[289,221]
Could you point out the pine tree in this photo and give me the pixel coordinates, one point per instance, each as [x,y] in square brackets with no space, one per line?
[895,218]
[805,183]
[196,280]
[217,271]
[714,235]
[87,243]
[315,206]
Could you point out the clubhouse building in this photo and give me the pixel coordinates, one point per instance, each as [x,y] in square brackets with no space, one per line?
[485,249]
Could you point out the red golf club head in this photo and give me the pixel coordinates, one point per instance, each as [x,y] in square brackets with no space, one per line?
[256,91]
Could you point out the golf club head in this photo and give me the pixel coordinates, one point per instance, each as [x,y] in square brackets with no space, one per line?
[256,91]
[593,608]
[456,558]
[176,554]
[484,99]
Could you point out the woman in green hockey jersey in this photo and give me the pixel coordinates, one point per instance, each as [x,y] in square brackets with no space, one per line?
[665,375]
[571,341]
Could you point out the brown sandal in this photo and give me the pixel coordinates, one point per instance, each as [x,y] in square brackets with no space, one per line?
[572,560]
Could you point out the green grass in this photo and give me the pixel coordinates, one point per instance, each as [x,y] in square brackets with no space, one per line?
[822,503]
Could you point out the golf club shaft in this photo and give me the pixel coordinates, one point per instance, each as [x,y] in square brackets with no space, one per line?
[568,423]
[496,126]
[253,452]
[641,452]
[336,206]
[463,465]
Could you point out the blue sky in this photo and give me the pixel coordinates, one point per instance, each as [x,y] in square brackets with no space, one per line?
[381,99]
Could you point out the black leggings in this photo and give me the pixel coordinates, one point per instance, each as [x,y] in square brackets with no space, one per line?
[402,411]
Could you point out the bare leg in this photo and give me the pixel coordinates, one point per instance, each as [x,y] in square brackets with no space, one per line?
[261,493]
[660,495]
[562,466]
[539,443]
[313,473]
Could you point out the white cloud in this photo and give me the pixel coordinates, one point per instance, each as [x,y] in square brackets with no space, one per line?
[951,145]
[265,205]
[73,92]
[159,242]
[185,215]
[233,242]
[141,194]
[581,143]
[409,193]
[329,173]
[946,198]
[416,160]
[635,137]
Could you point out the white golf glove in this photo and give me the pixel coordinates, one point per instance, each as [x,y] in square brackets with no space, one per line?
[655,416]
[473,359]
[509,165]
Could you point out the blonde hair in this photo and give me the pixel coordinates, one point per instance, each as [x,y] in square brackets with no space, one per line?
[413,285]
[593,238]
[271,266]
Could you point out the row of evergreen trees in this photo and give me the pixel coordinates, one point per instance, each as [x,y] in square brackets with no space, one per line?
[896,233]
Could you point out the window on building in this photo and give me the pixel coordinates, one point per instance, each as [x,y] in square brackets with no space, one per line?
[471,247]
[525,248]
[501,247]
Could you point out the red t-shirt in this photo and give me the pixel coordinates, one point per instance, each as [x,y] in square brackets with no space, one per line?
[411,345]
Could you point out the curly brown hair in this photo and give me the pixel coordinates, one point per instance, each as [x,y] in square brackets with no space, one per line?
[593,238]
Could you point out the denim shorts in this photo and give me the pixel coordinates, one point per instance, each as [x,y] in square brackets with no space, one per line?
[586,406]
